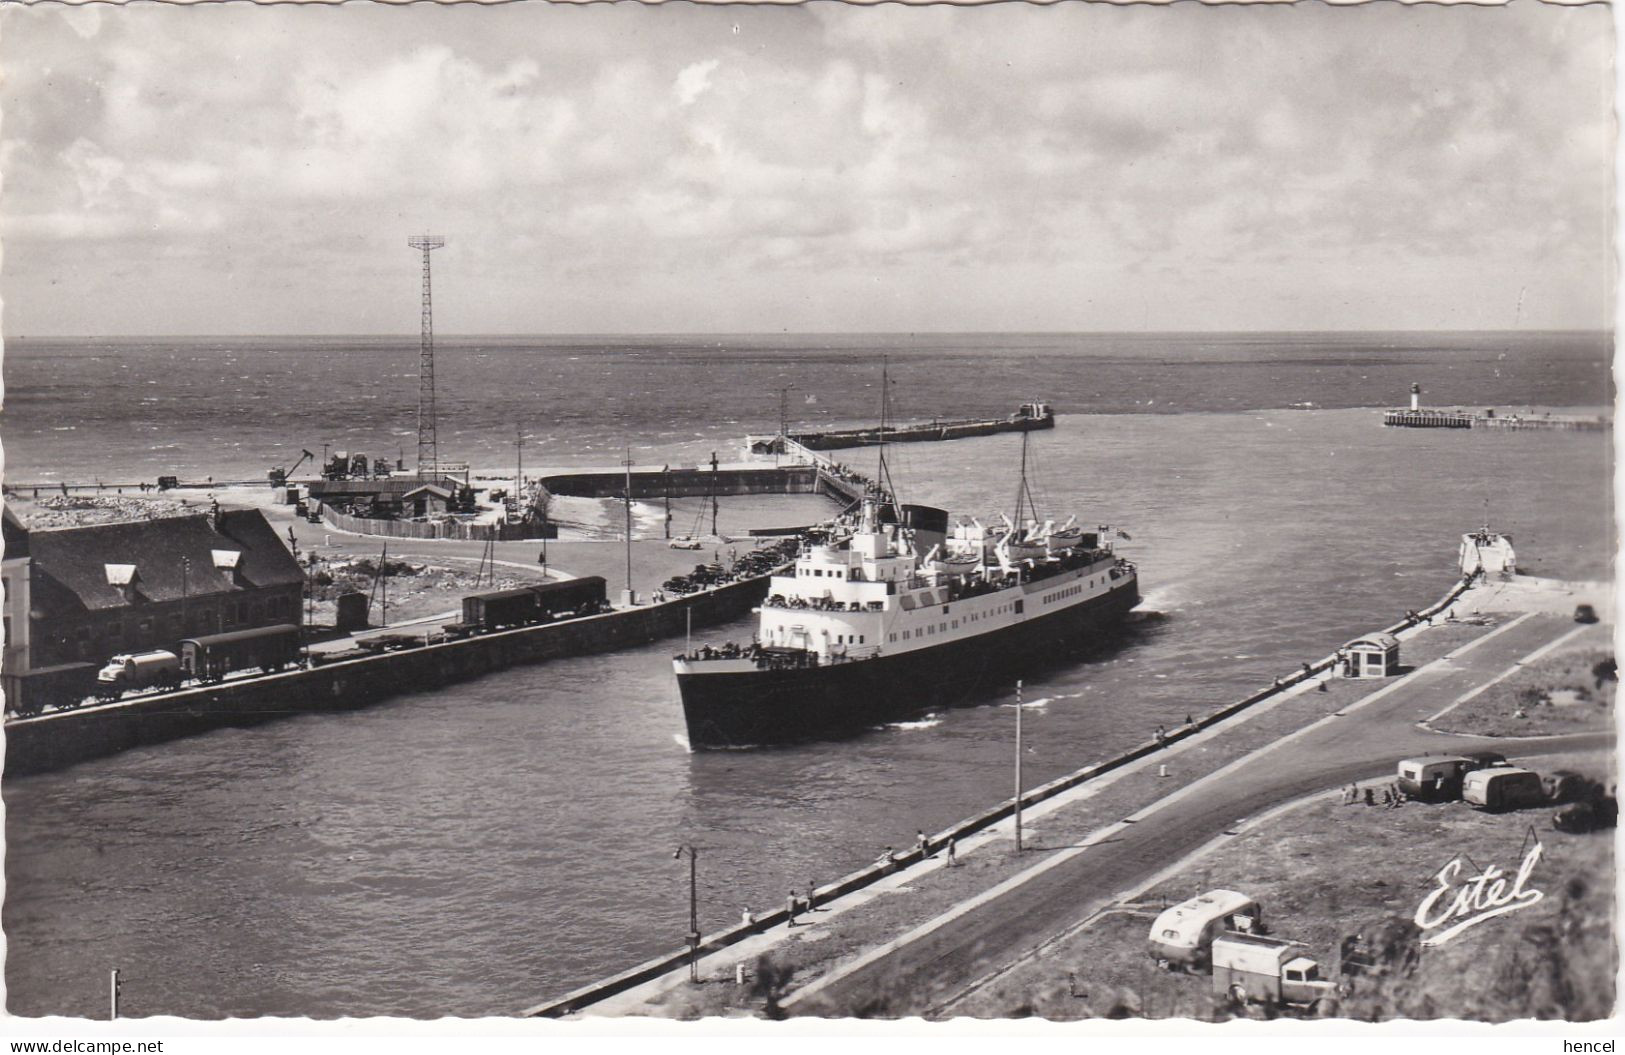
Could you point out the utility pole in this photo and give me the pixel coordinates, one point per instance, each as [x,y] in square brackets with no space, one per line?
[693,911]
[714,471]
[1018,767]
[186,576]
[428,444]
[628,464]
[519,468]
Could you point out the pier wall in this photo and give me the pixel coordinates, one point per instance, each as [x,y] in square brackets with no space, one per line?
[686,483]
[1436,418]
[660,965]
[51,741]
[429,529]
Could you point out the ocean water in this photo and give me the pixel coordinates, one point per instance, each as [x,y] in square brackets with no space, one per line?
[488,846]
[140,408]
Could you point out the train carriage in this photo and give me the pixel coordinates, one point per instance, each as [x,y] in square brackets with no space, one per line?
[213,656]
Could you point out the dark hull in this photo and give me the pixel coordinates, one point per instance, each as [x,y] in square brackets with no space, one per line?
[764,707]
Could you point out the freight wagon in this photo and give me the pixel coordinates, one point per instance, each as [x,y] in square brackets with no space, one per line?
[527,605]
[213,656]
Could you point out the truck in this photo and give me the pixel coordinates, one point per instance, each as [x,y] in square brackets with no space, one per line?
[1503,788]
[213,656]
[138,670]
[1182,936]
[1253,968]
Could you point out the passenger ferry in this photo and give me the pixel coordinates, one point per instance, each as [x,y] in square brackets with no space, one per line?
[890,614]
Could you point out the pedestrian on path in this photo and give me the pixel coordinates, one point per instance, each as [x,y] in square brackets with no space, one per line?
[924,843]
[790,905]
[953,861]
[1161,736]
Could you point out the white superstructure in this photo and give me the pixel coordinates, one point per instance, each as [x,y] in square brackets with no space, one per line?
[868,590]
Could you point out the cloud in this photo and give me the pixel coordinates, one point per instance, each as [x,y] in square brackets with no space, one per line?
[693,80]
[1236,154]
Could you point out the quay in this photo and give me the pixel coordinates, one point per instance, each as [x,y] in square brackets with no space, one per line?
[1095,836]
[1489,418]
[60,738]
[1417,416]
[340,678]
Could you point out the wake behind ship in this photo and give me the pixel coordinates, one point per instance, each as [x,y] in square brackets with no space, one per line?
[879,621]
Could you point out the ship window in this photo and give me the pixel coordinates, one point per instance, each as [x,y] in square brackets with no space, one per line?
[893,637]
[905,635]
[860,639]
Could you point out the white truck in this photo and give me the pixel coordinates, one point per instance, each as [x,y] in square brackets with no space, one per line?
[138,670]
[1253,968]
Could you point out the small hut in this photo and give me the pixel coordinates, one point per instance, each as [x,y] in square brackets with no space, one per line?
[1372,656]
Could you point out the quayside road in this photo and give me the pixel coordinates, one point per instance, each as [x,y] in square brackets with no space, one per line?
[927,968]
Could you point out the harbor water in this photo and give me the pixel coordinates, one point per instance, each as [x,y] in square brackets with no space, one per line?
[485,847]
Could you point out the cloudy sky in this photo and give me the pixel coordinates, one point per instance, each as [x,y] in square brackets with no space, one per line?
[242,169]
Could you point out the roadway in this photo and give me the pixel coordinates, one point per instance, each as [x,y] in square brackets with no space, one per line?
[949,955]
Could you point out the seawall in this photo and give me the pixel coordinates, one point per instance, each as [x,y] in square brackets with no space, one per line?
[686,483]
[588,995]
[62,738]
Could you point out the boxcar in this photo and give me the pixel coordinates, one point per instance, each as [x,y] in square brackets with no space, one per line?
[213,656]
[540,603]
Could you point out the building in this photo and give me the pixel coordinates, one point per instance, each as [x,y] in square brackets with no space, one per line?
[90,592]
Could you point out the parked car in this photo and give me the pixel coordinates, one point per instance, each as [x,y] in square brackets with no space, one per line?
[1182,936]
[1577,818]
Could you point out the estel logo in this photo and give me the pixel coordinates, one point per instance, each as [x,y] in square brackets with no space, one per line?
[1478,898]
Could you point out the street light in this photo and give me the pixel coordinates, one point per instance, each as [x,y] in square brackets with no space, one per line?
[1018,767]
[693,912]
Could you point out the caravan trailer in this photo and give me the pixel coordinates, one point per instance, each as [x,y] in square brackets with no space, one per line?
[1183,935]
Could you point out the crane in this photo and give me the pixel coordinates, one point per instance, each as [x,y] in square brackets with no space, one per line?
[279,477]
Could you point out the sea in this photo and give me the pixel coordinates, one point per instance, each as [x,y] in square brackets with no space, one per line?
[485,847]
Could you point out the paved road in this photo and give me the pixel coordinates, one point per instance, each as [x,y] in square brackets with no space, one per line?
[1363,743]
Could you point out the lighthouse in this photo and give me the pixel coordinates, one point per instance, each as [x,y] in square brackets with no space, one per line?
[1416,396]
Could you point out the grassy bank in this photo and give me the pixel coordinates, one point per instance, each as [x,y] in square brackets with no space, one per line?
[1568,691]
[1326,871]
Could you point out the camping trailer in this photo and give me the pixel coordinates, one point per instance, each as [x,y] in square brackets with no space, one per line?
[1182,935]
[1503,788]
[1433,778]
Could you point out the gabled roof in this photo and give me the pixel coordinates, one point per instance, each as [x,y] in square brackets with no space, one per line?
[172,557]
[432,489]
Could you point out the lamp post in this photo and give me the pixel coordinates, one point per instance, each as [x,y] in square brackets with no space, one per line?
[693,911]
[1018,767]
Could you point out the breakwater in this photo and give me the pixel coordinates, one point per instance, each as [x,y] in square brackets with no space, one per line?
[62,738]
[685,483]
[584,997]
[1449,418]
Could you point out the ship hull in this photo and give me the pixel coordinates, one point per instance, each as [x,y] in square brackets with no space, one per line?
[750,708]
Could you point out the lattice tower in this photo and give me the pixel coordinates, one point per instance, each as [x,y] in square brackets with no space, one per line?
[428,445]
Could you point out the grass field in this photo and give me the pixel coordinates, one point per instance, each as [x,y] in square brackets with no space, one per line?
[1325,871]
[1566,692]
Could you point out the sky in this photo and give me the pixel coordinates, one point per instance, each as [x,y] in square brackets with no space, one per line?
[244,169]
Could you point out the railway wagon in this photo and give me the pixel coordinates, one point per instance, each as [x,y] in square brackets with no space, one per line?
[533,604]
[213,656]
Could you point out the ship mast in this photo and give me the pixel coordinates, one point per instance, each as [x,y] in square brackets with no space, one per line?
[883,474]
[1023,492]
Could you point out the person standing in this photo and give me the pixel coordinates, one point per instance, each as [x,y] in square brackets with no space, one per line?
[790,905]
[952,860]
[923,842]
